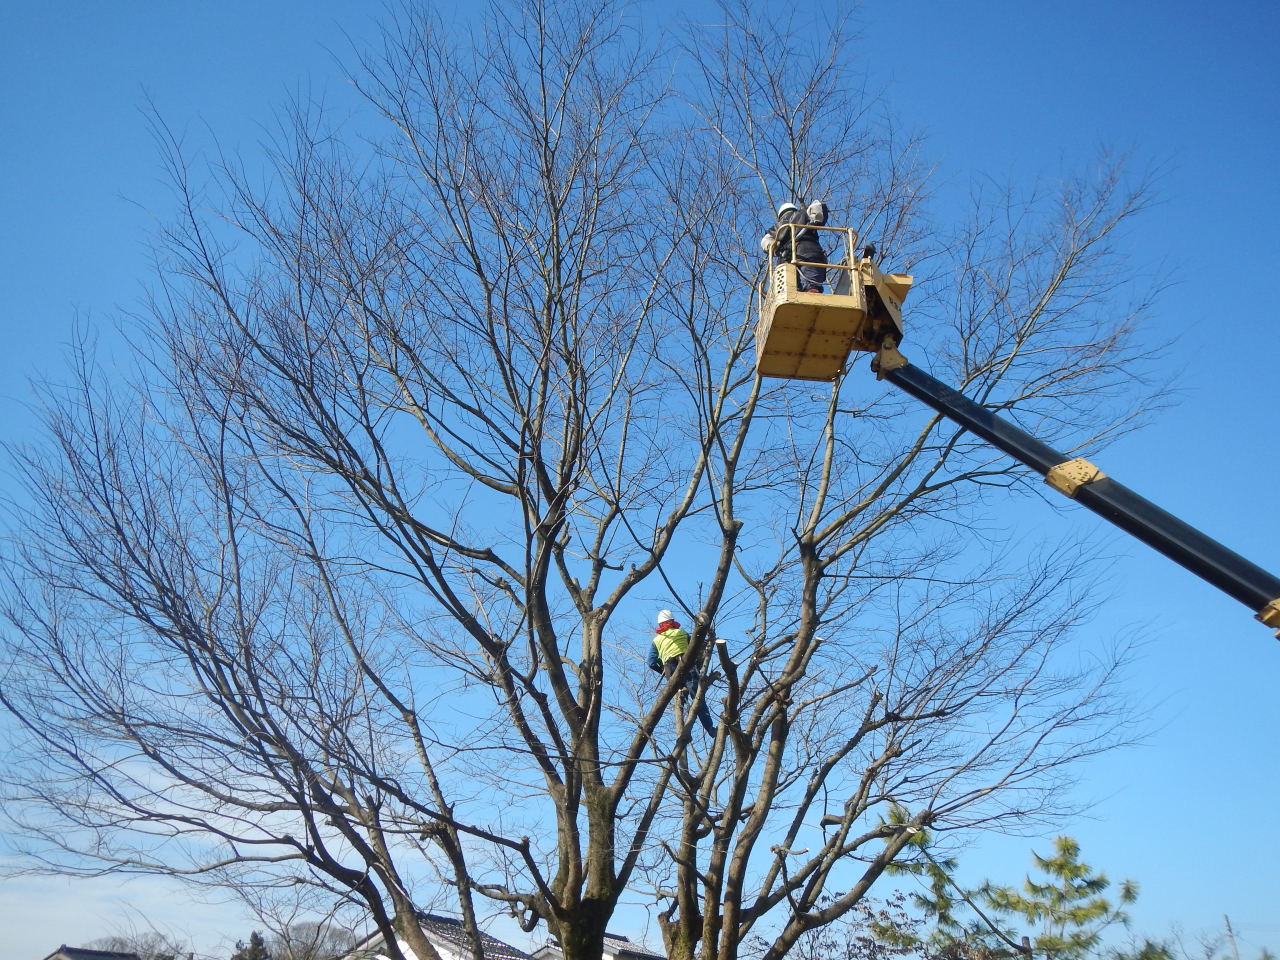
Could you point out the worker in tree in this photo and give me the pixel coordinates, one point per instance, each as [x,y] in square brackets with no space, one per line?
[808,247]
[669,646]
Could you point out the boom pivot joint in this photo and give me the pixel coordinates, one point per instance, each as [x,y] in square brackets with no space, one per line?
[887,359]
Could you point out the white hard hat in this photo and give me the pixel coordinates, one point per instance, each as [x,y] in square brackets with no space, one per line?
[665,615]
[787,206]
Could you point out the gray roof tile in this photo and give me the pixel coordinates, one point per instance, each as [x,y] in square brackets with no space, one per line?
[451,929]
[84,953]
[447,931]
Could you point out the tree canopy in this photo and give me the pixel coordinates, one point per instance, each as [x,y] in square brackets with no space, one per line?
[344,591]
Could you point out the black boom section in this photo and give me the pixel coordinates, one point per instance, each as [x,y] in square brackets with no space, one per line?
[1180,542]
[1109,499]
[976,418]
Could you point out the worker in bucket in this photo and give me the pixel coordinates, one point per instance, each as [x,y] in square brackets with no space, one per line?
[669,646]
[809,279]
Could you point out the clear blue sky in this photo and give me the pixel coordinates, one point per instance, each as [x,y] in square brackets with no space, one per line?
[1001,87]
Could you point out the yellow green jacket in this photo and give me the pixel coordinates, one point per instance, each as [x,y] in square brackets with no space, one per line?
[667,644]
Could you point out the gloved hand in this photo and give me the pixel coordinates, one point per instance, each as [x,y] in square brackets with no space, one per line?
[817,212]
[766,243]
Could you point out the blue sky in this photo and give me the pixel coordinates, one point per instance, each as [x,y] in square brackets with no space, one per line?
[1010,89]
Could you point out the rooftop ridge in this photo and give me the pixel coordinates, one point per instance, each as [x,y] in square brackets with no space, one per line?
[88,952]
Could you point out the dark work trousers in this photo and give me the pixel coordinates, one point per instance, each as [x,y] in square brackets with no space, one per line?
[810,279]
[691,691]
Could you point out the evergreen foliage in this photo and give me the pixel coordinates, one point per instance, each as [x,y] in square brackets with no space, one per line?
[1061,915]
[1069,907]
[256,949]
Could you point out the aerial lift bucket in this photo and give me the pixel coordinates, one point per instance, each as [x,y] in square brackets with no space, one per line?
[809,336]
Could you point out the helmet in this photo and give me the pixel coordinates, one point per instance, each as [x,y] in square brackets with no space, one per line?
[665,615]
[787,206]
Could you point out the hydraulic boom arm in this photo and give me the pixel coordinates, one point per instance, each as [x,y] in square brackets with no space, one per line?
[805,334]
[1089,486]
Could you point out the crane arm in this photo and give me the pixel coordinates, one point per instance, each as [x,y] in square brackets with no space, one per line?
[1090,487]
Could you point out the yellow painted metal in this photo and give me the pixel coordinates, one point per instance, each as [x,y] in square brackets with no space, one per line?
[1270,614]
[805,336]
[809,336]
[1070,476]
[888,359]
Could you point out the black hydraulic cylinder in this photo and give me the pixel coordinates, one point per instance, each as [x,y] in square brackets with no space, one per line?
[1109,499]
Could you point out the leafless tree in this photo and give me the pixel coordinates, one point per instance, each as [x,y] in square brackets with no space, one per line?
[310,940]
[851,725]
[303,922]
[148,944]
[857,935]
[345,588]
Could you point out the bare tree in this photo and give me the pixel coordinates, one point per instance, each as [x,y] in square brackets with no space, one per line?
[851,725]
[148,944]
[343,589]
[305,923]
[309,940]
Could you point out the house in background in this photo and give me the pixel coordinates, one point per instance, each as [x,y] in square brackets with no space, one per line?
[83,953]
[616,947]
[449,938]
[446,934]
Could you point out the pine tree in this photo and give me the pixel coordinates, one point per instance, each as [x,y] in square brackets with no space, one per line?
[1068,907]
[1066,912]
[256,950]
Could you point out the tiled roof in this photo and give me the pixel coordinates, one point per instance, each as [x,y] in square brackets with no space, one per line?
[619,944]
[84,953]
[615,945]
[452,930]
[448,932]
